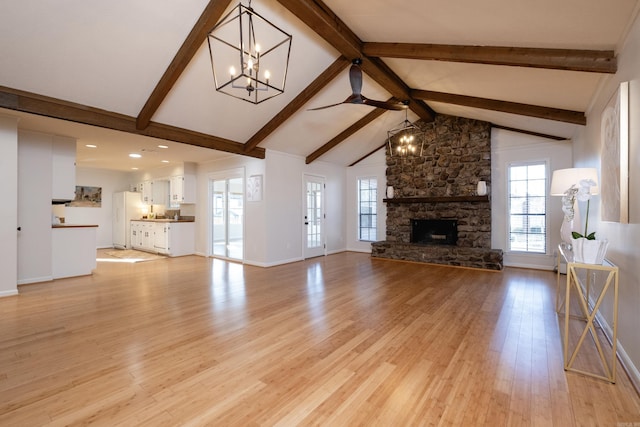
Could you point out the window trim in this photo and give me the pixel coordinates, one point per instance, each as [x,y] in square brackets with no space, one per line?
[358,207]
[546,162]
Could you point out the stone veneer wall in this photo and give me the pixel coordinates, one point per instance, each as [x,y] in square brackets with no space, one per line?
[457,154]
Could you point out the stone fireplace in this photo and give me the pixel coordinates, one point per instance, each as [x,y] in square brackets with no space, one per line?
[440,186]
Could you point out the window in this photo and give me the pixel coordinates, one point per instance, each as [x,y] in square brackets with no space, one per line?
[527,207]
[367,209]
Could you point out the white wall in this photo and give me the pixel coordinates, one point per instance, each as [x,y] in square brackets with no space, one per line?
[335,203]
[373,166]
[284,215]
[624,246]
[111,182]
[35,169]
[274,226]
[8,210]
[255,250]
[511,147]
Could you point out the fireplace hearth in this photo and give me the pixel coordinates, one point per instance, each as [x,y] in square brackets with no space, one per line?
[434,231]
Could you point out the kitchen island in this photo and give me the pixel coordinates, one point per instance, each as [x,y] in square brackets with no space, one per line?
[74,250]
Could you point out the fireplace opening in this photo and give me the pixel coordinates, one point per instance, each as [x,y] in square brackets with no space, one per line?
[434,231]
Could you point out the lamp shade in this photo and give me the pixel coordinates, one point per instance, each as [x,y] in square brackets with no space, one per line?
[563,179]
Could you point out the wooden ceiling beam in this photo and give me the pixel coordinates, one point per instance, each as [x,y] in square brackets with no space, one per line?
[303,97]
[368,154]
[593,61]
[528,132]
[50,107]
[210,16]
[346,133]
[317,16]
[567,116]
[321,19]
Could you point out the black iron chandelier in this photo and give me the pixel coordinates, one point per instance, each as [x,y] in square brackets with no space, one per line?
[406,140]
[249,55]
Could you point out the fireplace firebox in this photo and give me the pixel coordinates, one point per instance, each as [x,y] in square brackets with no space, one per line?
[434,231]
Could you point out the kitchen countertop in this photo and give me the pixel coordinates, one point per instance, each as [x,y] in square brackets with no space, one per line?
[72,225]
[164,220]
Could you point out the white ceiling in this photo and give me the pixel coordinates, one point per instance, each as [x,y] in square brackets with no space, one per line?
[111,54]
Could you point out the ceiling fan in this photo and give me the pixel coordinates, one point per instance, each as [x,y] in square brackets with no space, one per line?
[356,97]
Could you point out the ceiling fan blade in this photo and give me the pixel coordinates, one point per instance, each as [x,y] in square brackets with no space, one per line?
[356,97]
[355,78]
[326,106]
[352,99]
[395,106]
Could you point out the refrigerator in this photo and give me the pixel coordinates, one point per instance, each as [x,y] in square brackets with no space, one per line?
[126,206]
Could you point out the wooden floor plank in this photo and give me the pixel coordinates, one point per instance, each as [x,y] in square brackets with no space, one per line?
[337,340]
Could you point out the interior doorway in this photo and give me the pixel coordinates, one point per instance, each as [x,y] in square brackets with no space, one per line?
[227,215]
[314,216]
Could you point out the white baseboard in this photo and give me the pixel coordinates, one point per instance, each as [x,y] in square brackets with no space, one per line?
[35,280]
[532,266]
[273,264]
[8,293]
[625,360]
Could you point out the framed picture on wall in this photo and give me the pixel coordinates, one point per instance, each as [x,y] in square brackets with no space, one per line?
[87,197]
[254,188]
[614,167]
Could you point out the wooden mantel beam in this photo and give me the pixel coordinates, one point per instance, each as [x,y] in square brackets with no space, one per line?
[567,116]
[593,61]
[50,107]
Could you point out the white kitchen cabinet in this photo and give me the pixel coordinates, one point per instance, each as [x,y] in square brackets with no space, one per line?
[142,235]
[63,180]
[182,238]
[136,235]
[147,236]
[161,237]
[183,188]
[164,237]
[160,192]
[147,192]
[177,191]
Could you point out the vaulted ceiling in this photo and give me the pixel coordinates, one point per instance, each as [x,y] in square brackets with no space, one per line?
[123,73]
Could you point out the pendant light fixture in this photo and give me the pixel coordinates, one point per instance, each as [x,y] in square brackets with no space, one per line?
[249,55]
[406,140]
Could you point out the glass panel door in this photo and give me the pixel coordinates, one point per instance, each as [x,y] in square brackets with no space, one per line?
[314,216]
[227,205]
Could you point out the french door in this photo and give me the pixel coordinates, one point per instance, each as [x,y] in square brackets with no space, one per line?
[314,216]
[227,216]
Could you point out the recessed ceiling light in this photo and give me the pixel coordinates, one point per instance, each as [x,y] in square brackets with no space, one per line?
[165,161]
[135,155]
[91,146]
[135,169]
[163,146]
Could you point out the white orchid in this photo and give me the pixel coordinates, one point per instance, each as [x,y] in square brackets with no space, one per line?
[582,192]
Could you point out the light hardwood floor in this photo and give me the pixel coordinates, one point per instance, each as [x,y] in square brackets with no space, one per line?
[339,340]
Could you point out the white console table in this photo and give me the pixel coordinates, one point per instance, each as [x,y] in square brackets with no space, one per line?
[578,288]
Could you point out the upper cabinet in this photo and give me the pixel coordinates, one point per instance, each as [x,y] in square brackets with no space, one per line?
[160,192]
[183,187]
[147,192]
[176,187]
[63,180]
